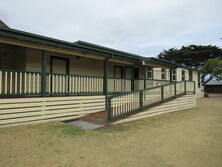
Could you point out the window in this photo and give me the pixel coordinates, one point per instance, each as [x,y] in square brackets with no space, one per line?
[183,75]
[173,75]
[163,73]
[118,72]
[149,73]
[128,72]
[190,75]
[198,80]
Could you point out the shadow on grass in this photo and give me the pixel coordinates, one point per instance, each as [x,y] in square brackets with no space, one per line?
[65,130]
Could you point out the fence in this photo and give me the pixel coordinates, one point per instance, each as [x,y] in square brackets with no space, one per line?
[125,103]
[37,109]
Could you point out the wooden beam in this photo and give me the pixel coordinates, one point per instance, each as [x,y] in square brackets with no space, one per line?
[151,64]
[121,61]
[28,44]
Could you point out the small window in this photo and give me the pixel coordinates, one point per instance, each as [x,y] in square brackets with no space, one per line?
[183,75]
[174,75]
[149,73]
[190,75]
[163,73]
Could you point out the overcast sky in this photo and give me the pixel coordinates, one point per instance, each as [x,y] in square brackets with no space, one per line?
[144,27]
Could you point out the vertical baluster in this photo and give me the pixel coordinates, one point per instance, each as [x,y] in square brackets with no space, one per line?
[6,82]
[73,84]
[49,84]
[79,84]
[38,83]
[20,83]
[33,83]
[87,84]
[29,82]
[60,83]
[70,84]
[67,84]
[84,84]
[25,83]
[64,84]
[115,106]
[76,84]
[53,83]
[10,83]
[56,83]
[16,83]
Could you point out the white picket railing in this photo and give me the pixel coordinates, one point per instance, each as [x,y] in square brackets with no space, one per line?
[74,84]
[19,83]
[122,104]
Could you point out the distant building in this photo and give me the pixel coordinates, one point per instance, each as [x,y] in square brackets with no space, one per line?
[2,24]
[213,86]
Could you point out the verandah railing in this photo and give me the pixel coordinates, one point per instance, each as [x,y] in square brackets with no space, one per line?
[140,84]
[17,83]
[125,103]
[20,83]
[73,84]
[116,85]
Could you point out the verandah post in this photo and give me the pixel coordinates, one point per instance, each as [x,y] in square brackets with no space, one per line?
[162,93]
[194,89]
[105,81]
[145,75]
[132,80]
[175,89]
[141,99]
[109,109]
[43,80]
[185,87]
[171,75]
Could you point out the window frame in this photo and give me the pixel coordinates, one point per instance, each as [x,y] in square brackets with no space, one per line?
[163,73]
[183,75]
[149,73]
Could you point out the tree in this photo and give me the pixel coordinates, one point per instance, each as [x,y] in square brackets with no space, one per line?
[193,55]
[213,67]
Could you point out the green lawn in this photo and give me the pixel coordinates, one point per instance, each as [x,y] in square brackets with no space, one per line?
[190,138]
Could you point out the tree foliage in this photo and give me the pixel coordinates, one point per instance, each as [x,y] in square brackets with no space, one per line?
[213,67]
[192,55]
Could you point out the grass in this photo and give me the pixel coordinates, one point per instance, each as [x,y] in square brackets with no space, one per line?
[65,130]
[187,138]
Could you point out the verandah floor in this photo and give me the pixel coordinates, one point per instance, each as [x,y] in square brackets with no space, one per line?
[187,138]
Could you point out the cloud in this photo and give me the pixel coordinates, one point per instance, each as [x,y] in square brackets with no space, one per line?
[138,26]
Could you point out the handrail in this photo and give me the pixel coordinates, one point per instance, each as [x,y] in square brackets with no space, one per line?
[124,103]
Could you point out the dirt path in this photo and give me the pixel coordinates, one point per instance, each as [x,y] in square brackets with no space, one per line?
[190,138]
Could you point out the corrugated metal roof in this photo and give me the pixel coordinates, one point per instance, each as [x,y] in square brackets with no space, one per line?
[214,82]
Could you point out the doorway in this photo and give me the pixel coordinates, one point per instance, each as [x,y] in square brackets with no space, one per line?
[59,65]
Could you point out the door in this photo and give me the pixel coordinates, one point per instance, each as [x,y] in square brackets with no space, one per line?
[136,76]
[118,82]
[59,65]
[59,83]
[128,80]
